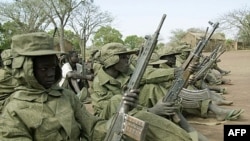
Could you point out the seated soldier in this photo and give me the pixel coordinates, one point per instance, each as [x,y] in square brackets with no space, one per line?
[108,88]
[209,102]
[7,82]
[217,68]
[40,110]
[72,77]
[157,78]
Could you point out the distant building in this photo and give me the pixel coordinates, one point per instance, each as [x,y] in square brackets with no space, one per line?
[192,39]
[68,46]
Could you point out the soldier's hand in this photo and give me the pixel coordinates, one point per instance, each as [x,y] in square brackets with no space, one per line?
[193,67]
[191,79]
[89,77]
[164,108]
[131,98]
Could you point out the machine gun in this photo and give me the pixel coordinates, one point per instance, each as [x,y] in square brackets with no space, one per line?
[183,74]
[123,124]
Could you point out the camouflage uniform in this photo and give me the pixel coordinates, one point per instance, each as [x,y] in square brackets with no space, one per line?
[184,51]
[108,93]
[155,82]
[36,113]
[7,82]
[161,80]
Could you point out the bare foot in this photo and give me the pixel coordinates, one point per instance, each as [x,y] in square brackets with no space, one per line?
[223,102]
[227,81]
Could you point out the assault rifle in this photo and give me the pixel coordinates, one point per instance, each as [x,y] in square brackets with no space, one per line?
[182,76]
[207,58]
[208,63]
[123,124]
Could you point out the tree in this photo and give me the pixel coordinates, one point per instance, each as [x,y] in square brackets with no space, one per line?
[59,12]
[86,19]
[70,36]
[197,30]
[175,39]
[28,15]
[160,45]
[7,30]
[133,41]
[106,34]
[238,22]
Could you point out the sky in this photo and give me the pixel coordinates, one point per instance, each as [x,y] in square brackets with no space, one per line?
[142,17]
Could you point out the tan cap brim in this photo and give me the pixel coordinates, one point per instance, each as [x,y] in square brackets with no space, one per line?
[158,62]
[127,52]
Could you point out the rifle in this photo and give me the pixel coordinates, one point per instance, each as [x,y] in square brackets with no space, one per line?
[206,59]
[182,76]
[123,124]
[208,63]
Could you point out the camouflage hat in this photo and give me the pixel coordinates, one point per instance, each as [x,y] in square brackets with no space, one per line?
[110,53]
[6,57]
[170,53]
[183,48]
[155,59]
[33,44]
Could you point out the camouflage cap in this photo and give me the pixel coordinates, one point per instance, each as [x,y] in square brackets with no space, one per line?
[155,59]
[183,48]
[116,49]
[109,53]
[33,44]
[170,53]
[6,56]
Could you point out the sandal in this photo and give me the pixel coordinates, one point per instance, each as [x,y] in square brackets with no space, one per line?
[234,114]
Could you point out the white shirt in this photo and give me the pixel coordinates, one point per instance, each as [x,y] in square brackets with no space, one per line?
[67,68]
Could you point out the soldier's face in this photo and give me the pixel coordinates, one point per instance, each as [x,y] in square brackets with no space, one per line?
[123,64]
[74,58]
[45,70]
[171,60]
[184,55]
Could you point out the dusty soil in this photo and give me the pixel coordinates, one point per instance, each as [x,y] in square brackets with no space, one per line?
[239,64]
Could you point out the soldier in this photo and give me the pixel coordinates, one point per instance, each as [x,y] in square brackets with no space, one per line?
[95,65]
[73,79]
[213,81]
[155,81]
[72,70]
[208,101]
[39,109]
[7,82]
[217,68]
[108,85]
[183,53]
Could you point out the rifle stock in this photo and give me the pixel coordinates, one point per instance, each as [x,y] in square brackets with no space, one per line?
[120,122]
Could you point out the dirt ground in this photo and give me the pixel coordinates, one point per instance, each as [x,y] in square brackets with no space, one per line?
[239,64]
